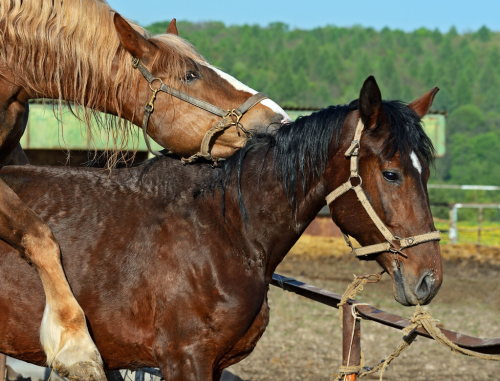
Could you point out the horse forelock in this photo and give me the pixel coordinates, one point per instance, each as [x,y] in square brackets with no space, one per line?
[406,134]
[72,46]
[175,53]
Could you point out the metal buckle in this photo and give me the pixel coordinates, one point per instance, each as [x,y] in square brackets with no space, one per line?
[409,241]
[234,113]
[135,62]
[352,150]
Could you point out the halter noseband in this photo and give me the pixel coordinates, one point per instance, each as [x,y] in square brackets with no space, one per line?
[393,244]
[229,117]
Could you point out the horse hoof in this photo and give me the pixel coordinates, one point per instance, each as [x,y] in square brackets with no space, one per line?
[81,371]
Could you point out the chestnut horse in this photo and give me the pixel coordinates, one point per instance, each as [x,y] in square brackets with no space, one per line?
[82,52]
[172,263]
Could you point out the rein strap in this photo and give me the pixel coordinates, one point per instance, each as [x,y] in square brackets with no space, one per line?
[393,243]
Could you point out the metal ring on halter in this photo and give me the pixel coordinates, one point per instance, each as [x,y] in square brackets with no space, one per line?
[355,177]
[394,250]
[397,251]
[153,81]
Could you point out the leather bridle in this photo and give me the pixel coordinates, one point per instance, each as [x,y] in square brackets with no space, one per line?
[393,243]
[229,117]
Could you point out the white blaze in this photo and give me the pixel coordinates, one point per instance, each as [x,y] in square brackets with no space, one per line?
[242,87]
[415,162]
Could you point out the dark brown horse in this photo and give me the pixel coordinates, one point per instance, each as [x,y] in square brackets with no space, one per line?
[82,52]
[172,263]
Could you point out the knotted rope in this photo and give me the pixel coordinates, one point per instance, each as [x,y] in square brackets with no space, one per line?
[355,287]
[351,291]
[424,319]
[420,318]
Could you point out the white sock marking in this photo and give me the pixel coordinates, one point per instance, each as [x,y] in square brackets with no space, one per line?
[242,87]
[416,162]
[77,348]
[50,335]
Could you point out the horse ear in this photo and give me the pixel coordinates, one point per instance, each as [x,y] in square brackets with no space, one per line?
[422,105]
[172,28]
[370,103]
[131,40]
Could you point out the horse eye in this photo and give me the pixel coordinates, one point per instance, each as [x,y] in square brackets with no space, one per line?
[391,176]
[190,77]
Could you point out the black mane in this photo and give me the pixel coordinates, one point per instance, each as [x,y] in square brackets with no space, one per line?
[300,149]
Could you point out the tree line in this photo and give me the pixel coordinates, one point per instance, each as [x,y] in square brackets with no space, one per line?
[328,65]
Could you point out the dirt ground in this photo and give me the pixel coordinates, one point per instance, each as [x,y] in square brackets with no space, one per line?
[303,340]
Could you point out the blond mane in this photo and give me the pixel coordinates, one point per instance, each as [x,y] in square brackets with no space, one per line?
[70,46]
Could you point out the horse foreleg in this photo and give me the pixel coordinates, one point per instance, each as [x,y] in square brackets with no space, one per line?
[63,333]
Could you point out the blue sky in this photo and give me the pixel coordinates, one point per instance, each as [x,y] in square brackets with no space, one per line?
[407,15]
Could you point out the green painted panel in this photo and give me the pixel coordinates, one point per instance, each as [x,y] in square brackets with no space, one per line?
[44,131]
[434,126]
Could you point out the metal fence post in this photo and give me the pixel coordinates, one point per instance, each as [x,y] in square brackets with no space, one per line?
[139,375]
[479,226]
[3,364]
[453,233]
[351,341]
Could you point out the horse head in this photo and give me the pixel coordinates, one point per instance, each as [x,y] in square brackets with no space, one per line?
[172,61]
[393,155]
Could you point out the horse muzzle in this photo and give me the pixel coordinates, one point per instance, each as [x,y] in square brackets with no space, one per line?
[410,290]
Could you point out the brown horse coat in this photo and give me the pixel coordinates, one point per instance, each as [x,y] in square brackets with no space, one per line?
[172,263]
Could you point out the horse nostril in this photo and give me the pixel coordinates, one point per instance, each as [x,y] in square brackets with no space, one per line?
[424,288]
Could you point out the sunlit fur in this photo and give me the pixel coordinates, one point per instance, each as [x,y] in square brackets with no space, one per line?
[71,45]
[300,149]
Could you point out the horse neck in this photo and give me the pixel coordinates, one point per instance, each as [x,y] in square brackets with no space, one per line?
[273,225]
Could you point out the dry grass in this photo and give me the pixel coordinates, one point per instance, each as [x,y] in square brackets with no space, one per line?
[313,247]
[466,251]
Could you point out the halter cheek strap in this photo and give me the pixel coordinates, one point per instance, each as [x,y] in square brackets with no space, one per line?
[229,117]
[393,243]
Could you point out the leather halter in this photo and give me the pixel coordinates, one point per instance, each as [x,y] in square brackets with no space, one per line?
[229,117]
[393,244]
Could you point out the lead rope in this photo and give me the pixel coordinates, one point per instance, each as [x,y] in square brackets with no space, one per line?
[420,318]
